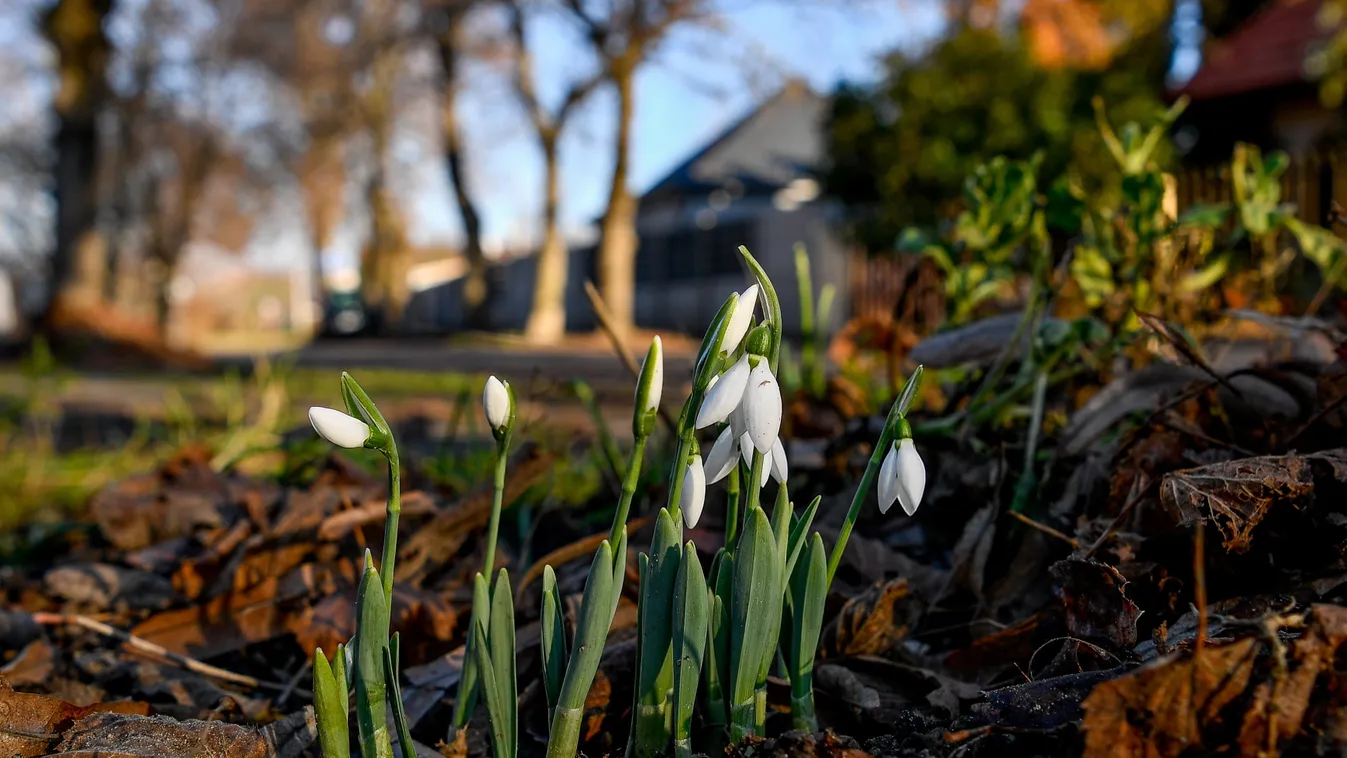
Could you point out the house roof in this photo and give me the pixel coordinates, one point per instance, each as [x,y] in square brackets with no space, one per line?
[1267,51]
[778,141]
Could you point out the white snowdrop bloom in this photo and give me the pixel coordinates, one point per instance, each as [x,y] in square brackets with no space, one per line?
[902,477]
[762,407]
[340,429]
[693,497]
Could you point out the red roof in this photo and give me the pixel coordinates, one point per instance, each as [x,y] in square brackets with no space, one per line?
[1265,52]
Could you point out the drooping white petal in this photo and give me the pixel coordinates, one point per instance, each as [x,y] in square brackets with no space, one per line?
[694,492]
[740,320]
[762,407]
[780,470]
[911,476]
[720,460]
[496,403]
[725,396]
[339,428]
[738,421]
[888,480]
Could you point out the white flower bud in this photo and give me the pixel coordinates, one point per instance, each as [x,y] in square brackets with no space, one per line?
[720,460]
[656,388]
[693,496]
[339,428]
[762,407]
[725,395]
[496,403]
[740,320]
[780,470]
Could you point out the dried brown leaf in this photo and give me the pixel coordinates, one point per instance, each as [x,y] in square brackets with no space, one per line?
[31,724]
[120,736]
[1236,495]
[1096,604]
[1167,708]
[872,623]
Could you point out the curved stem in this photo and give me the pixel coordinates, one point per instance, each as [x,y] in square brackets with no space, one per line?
[858,499]
[732,509]
[390,551]
[629,490]
[493,526]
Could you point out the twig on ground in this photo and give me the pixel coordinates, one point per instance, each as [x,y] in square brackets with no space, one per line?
[605,320]
[1128,507]
[1044,528]
[145,646]
[1200,585]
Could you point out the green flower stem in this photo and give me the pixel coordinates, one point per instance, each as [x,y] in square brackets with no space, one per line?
[858,500]
[760,709]
[802,713]
[752,485]
[687,434]
[390,553]
[565,735]
[629,490]
[493,526]
[732,509]
[650,728]
[743,719]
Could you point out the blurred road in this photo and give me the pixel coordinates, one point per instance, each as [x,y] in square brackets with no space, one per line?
[600,368]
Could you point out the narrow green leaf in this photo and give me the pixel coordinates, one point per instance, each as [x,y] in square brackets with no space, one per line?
[782,511]
[591,631]
[370,691]
[552,621]
[809,592]
[689,644]
[360,405]
[502,642]
[757,588]
[490,691]
[909,391]
[718,641]
[343,692]
[399,713]
[655,648]
[799,527]
[466,700]
[333,735]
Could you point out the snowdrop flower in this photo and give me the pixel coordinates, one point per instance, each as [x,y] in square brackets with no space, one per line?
[693,497]
[902,477]
[749,388]
[339,428]
[496,403]
[740,320]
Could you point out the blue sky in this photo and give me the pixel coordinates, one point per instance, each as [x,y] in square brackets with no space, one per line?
[699,83]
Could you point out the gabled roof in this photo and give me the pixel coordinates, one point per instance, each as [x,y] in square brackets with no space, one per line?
[1267,51]
[779,141]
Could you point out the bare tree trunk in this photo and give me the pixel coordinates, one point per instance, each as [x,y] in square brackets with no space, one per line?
[75,30]
[383,278]
[618,243]
[476,286]
[384,268]
[547,320]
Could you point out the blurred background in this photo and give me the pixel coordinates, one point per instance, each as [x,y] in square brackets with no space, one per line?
[207,207]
